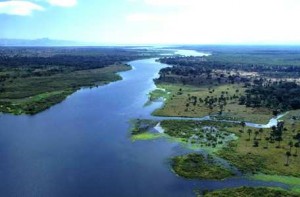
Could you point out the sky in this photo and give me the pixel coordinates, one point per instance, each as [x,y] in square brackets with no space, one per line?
[153,21]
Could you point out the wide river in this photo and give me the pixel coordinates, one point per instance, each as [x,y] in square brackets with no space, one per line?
[82,147]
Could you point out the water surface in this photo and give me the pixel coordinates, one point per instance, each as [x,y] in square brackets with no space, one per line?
[81,147]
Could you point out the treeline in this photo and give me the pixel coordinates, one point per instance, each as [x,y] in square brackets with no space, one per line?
[209,63]
[38,62]
[280,96]
[196,71]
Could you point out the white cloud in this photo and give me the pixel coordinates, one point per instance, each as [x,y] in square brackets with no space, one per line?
[171,2]
[63,3]
[143,17]
[21,8]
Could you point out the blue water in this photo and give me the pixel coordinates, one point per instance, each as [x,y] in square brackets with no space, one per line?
[82,147]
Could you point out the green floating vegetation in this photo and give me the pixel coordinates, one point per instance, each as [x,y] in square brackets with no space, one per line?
[157,94]
[145,136]
[196,166]
[204,134]
[140,126]
[289,180]
[252,192]
[144,130]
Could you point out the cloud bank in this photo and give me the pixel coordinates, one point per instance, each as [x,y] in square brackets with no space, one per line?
[63,3]
[27,7]
[21,8]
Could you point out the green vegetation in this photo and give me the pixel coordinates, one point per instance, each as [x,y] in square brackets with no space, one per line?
[250,150]
[251,192]
[279,96]
[270,151]
[145,136]
[196,166]
[34,79]
[245,84]
[144,130]
[292,181]
[232,83]
[140,126]
[205,134]
[221,101]
[35,94]
[35,104]
[157,94]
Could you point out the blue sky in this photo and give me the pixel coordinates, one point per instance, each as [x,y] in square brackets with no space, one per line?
[153,21]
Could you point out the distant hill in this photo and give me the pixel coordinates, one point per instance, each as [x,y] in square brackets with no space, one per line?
[39,42]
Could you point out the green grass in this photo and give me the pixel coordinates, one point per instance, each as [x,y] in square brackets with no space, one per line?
[145,136]
[292,181]
[196,166]
[270,160]
[34,104]
[251,192]
[178,99]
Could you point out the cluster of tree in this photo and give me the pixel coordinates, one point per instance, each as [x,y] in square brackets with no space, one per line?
[280,96]
[275,135]
[210,63]
[201,70]
[36,62]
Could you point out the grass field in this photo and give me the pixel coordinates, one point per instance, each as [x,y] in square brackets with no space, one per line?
[267,157]
[179,102]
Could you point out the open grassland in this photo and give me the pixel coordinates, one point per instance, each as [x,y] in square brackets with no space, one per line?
[189,101]
[35,94]
[254,152]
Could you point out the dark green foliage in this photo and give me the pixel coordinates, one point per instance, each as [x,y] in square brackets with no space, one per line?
[281,96]
[196,166]
[203,133]
[251,192]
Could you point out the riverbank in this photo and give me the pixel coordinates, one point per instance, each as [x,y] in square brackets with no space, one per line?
[190,101]
[61,86]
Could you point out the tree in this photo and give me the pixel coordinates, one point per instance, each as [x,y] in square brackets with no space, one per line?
[291,144]
[261,131]
[297,145]
[256,134]
[249,131]
[256,143]
[243,124]
[288,154]
[267,143]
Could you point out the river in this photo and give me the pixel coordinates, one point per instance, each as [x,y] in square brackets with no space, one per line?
[82,147]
